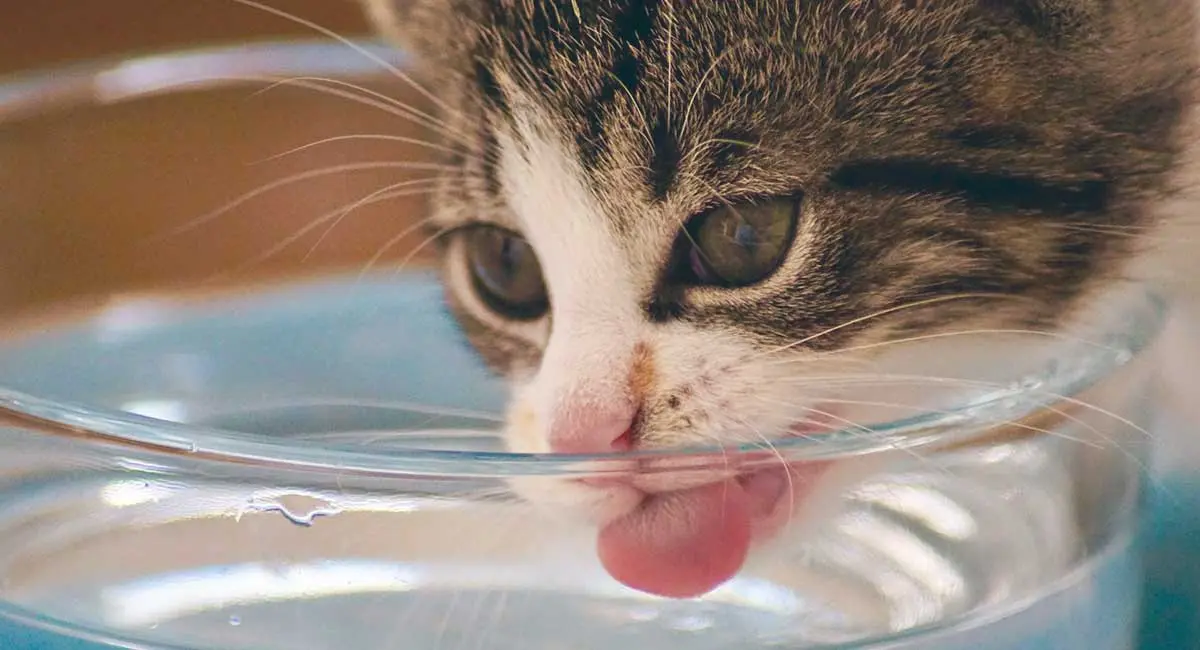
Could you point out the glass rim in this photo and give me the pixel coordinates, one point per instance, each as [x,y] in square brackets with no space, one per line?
[122,79]
[116,79]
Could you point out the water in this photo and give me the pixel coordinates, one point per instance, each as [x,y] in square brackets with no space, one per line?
[1017,546]
[955,548]
[1076,616]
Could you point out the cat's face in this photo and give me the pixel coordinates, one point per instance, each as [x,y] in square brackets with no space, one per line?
[669,220]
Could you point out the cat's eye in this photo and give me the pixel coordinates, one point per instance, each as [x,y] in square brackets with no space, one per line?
[506,273]
[737,245]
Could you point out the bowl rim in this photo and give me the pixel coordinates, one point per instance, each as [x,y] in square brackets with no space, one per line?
[121,79]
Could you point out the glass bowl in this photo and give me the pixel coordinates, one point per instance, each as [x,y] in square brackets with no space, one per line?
[313,463]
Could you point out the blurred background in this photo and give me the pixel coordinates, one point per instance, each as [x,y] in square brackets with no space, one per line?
[61,31]
[91,198]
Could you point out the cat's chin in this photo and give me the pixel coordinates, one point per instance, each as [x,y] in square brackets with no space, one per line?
[594,503]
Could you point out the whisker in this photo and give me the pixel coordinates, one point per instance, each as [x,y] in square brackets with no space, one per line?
[885,312]
[895,445]
[333,215]
[397,72]
[943,335]
[396,190]
[361,136]
[296,178]
[387,245]
[413,253]
[1019,425]
[783,463]
[892,378]
[816,411]
[716,441]
[373,99]
[1013,423]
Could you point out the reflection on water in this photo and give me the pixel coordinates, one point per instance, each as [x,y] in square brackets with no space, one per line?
[921,545]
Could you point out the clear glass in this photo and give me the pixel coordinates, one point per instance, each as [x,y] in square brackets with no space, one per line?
[314,464]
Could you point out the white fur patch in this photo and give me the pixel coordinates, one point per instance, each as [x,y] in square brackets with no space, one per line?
[594,304]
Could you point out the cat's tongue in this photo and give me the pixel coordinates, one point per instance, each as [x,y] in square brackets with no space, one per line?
[683,544]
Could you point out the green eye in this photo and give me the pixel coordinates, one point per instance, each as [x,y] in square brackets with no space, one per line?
[505,273]
[739,245]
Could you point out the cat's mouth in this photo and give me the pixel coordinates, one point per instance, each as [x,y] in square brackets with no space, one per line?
[684,541]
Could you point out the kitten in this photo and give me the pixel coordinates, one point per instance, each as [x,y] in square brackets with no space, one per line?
[666,215]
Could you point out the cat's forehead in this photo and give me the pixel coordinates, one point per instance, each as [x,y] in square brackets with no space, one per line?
[691,71]
[742,98]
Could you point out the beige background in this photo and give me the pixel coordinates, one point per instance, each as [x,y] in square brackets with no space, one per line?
[85,197]
[53,31]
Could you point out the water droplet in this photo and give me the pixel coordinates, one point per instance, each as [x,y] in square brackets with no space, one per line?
[235,620]
[300,509]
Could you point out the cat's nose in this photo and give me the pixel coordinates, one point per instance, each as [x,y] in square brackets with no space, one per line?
[593,428]
[599,413]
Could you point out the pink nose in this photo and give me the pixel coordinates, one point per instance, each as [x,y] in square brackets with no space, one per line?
[592,428]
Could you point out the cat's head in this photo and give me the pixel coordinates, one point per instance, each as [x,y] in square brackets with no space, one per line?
[668,220]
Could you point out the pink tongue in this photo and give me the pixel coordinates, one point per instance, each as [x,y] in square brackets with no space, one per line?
[681,544]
